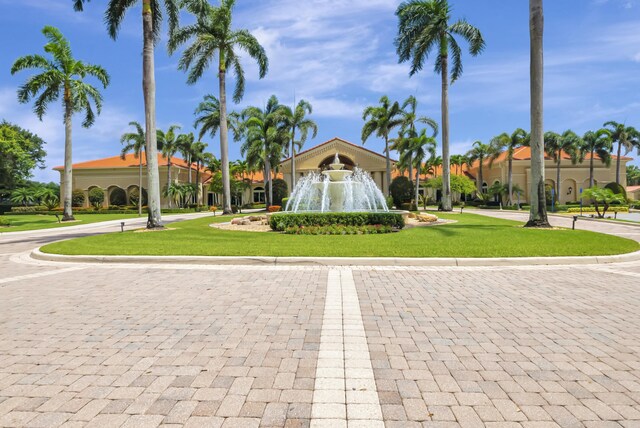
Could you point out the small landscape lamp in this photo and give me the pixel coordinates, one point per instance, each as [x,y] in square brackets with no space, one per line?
[122,226]
[573,226]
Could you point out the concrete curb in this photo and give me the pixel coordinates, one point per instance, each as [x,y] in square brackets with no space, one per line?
[338,261]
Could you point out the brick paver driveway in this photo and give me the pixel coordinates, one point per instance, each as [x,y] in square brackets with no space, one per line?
[172,345]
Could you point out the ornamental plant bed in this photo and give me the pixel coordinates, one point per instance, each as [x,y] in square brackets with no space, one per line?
[281,221]
[338,230]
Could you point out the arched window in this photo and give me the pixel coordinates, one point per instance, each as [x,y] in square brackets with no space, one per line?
[485,187]
[258,195]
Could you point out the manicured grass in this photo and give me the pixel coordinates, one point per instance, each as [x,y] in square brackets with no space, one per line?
[38,221]
[472,236]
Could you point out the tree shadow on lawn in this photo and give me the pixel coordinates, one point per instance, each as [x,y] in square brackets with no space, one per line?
[462,229]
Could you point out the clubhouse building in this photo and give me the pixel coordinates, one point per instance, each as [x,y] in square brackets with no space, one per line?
[115,174]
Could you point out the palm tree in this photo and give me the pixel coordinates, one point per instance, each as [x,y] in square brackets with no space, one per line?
[633,175]
[296,119]
[627,137]
[62,75]
[185,147]
[555,145]
[151,21]
[381,120]
[479,152]
[409,120]
[417,150]
[135,141]
[198,156]
[212,34]
[537,196]
[207,116]
[508,143]
[23,196]
[266,136]
[596,143]
[169,142]
[424,27]
[432,164]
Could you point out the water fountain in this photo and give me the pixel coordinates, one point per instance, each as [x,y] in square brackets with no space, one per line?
[337,190]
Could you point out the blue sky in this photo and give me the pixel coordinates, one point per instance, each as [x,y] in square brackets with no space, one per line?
[339,55]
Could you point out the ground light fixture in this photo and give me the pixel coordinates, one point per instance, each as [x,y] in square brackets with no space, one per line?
[122,226]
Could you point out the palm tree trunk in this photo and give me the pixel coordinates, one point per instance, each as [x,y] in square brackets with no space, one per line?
[149,89]
[417,186]
[558,176]
[538,211]
[224,140]
[267,165]
[510,182]
[618,163]
[293,160]
[411,168]
[591,170]
[386,146]
[139,184]
[169,178]
[198,186]
[446,161]
[67,214]
[480,177]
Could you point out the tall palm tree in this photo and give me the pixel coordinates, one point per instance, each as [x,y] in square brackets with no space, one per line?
[596,143]
[212,35]
[151,22]
[479,152]
[207,116]
[135,142]
[185,147]
[424,27]
[382,119]
[537,197]
[266,136]
[297,119]
[418,149]
[62,75]
[409,120]
[508,143]
[626,136]
[556,145]
[170,144]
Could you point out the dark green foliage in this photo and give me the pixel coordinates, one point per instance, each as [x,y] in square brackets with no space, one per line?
[284,203]
[401,190]
[409,206]
[77,198]
[133,197]
[338,229]
[117,197]
[96,197]
[281,222]
[618,189]
[20,152]
[279,191]
[5,222]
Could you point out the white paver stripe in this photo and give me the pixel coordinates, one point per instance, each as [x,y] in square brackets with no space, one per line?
[344,357]
[39,274]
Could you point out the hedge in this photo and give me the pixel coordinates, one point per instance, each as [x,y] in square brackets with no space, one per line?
[282,221]
[108,211]
[612,209]
[338,229]
[5,222]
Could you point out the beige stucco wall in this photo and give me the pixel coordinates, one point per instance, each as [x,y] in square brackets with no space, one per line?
[125,178]
[572,177]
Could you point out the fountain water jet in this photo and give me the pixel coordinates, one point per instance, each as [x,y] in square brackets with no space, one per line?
[337,190]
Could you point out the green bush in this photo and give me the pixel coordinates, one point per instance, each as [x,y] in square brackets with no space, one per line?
[338,230]
[279,191]
[96,197]
[389,201]
[590,209]
[284,203]
[29,210]
[617,189]
[133,197]
[77,198]
[281,221]
[117,197]
[5,222]
[401,190]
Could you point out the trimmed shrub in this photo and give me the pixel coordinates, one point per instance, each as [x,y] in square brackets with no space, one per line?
[590,209]
[133,197]
[401,190]
[5,222]
[28,210]
[281,222]
[338,230]
[284,203]
[280,191]
[96,197]
[618,189]
[77,198]
[118,197]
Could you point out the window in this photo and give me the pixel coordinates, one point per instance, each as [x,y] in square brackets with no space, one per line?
[258,195]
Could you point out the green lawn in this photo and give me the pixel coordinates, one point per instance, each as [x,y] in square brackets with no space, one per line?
[38,221]
[472,236]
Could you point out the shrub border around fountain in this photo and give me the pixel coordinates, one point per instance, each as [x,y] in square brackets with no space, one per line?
[281,221]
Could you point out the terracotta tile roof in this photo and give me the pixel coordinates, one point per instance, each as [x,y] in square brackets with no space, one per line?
[632,188]
[524,153]
[129,161]
[360,147]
